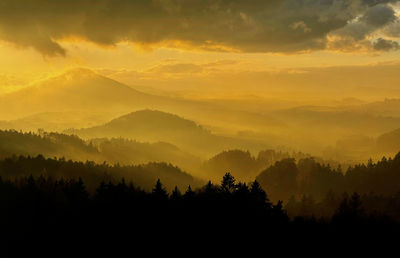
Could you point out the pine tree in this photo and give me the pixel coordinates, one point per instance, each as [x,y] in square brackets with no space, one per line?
[189,194]
[159,192]
[258,194]
[228,183]
[176,194]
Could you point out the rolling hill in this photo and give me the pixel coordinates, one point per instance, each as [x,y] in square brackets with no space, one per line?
[113,151]
[152,125]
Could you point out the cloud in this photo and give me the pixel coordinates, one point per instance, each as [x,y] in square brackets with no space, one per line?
[172,69]
[176,68]
[385,45]
[379,15]
[300,25]
[393,30]
[360,33]
[281,26]
[376,80]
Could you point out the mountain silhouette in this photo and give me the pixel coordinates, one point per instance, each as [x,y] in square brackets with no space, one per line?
[152,126]
[75,90]
[146,122]
[79,95]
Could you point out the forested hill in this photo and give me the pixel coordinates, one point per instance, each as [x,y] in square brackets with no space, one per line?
[153,125]
[306,177]
[150,124]
[47,144]
[142,176]
[243,165]
[58,214]
[113,151]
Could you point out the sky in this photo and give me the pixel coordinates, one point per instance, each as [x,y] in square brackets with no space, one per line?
[204,44]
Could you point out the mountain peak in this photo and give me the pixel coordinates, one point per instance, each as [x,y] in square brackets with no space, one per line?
[80,71]
[76,89]
[155,117]
[78,74]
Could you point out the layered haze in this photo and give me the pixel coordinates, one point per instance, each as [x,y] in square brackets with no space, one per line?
[208,86]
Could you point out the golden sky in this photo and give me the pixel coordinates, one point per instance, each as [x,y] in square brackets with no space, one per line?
[173,44]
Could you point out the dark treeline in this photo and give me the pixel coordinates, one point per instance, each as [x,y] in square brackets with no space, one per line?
[307,187]
[42,211]
[373,204]
[93,173]
[45,213]
[308,177]
[312,189]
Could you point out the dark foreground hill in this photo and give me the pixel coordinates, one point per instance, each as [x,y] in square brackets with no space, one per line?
[143,176]
[43,216]
[307,177]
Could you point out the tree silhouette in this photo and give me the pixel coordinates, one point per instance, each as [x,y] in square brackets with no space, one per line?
[258,194]
[176,194]
[159,192]
[41,208]
[210,188]
[228,183]
[189,194]
[350,210]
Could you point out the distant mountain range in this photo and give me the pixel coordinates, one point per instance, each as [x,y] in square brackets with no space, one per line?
[83,92]
[81,98]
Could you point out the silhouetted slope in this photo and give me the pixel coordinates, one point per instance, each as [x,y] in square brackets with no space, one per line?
[48,144]
[307,177]
[143,176]
[119,150]
[149,122]
[114,151]
[242,164]
[152,125]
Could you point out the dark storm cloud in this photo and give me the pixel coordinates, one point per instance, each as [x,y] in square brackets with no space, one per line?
[245,25]
[379,15]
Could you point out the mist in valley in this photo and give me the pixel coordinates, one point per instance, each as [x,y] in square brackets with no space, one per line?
[188,118]
[83,103]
